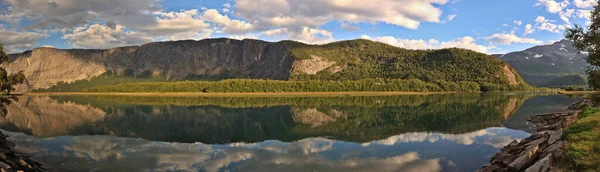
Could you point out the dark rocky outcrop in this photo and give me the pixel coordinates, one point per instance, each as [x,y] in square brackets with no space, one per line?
[580,104]
[11,160]
[536,152]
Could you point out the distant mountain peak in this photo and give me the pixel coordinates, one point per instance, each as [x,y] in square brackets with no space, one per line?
[541,63]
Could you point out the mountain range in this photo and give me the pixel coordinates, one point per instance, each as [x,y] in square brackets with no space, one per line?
[557,64]
[217,59]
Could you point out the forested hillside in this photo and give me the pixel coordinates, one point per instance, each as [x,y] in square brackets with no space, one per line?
[218,59]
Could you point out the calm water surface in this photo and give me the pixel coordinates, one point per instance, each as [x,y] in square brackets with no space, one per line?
[457,132]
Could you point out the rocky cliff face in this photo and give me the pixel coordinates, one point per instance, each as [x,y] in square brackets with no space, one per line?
[177,60]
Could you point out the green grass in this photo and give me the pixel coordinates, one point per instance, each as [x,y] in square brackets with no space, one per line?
[584,152]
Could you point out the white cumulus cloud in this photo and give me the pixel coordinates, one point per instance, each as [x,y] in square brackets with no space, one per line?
[14,41]
[229,25]
[102,36]
[305,34]
[518,22]
[313,13]
[565,15]
[553,6]
[528,29]
[466,42]
[507,39]
[544,24]
[585,3]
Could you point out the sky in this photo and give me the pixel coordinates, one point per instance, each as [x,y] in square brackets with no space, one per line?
[487,26]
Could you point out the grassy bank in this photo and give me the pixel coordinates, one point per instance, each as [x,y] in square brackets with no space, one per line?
[584,152]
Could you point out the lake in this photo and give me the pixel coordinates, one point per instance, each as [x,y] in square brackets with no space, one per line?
[449,132]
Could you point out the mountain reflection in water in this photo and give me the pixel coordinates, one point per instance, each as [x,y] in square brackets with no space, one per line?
[455,132]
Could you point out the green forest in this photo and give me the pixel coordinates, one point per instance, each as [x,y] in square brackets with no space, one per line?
[247,85]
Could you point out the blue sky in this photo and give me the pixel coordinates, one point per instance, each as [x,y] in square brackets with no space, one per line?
[488,26]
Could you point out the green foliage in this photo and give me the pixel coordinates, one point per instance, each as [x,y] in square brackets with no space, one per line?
[574,88]
[584,152]
[248,85]
[8,81]
[251,102]
[589,40]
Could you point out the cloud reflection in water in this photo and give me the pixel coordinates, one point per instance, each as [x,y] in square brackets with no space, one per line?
[406,152]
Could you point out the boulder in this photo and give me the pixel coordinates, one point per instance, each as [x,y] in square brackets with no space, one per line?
[491,168]
[555,149]
[555,136]
[554,126]
[580,104]
[542,165]
[4,165]
[526,158]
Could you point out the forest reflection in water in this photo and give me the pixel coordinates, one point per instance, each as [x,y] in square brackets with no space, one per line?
[427,132]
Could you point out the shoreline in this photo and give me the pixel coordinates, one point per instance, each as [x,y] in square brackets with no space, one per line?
[12,160]
[542,149]
[240,94]
[275,94]
[575,92]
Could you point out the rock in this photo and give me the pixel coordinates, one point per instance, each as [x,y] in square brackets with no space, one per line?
[511,145]
[555,149]
[554,126]
[545,142]
[580,104]
[526,158]
[536,143]
[10,144]
[23,163]
[491,168]
[507,159]
[4,165]
[311,66]
[555,136]
[542,165]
